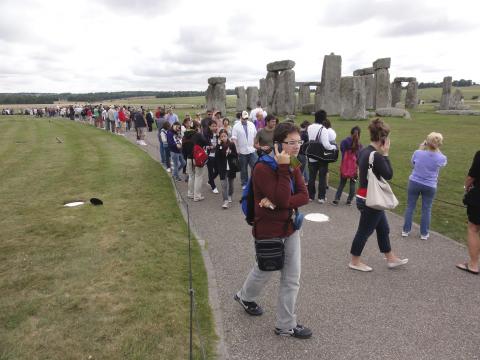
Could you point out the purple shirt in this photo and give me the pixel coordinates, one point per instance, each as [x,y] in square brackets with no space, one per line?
[426,165]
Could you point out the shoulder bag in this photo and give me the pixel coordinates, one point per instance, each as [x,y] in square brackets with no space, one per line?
[379,193]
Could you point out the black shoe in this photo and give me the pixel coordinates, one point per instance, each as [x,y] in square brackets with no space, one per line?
[250,307]
[349,203]
[298,331]
[335,202]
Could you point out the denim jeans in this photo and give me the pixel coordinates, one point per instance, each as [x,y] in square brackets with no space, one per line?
[371,220]
[245,161]
[321,168]
[351,193]
[289,283]
[227,187]
[178,163]
[414,191]
[163,156]
[167,156]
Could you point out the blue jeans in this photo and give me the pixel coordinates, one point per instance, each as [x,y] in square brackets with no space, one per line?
[414,191]
[163,156]
[178,163]
[351,193]
[371,220]
[245,161]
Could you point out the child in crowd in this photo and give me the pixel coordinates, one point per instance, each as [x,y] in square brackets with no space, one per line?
[174,139]
[164,143]
[226,160]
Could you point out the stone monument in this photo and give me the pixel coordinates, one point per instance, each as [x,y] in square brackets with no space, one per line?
[216,96]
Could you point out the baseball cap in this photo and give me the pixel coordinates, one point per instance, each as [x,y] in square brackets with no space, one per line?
[245,115]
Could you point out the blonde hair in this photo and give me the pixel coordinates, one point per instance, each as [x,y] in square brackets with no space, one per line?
[434,140]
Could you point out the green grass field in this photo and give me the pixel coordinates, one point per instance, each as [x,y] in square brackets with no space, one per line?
[107,282]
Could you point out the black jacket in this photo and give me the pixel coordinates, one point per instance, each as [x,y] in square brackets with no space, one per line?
[221,159]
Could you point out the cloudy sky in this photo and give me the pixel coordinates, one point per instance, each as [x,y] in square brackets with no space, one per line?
[114,45]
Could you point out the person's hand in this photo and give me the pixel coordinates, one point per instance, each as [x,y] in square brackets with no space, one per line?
[265,148]
[281,158]
[384,149]
[266,203]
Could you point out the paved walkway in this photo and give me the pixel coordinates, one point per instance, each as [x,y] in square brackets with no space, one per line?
[425,310]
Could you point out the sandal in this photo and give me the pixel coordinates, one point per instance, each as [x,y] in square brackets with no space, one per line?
[465,267]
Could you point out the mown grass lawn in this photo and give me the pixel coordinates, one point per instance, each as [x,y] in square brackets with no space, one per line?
[110,282]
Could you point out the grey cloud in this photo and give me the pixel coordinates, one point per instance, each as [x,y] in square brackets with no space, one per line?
[424,26]
[141,7]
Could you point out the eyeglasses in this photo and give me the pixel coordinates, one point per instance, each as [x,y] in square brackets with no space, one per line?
[293,143]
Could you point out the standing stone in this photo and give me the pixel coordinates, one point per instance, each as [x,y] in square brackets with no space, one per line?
[411,99]
[303,96]
[262,92]
[383,96]
[396,92]
[369,91]
[216,95]
[456,100]
[353,97]
[241,98]
[271,84]
[252,97]
[329,93]
[209,97]
[284,100]
[446,93]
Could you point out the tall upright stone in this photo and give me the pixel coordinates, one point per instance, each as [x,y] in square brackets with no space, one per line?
[303,96]
[216,95]
[262,92]
[411,99]
[329,93]
[396,92]
[285,93]
[241,99]
[271,83]
[353,97]
[383,95]
[446,93]
[252,97]
[369,91]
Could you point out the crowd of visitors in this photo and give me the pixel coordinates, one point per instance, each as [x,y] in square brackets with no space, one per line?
[279,184]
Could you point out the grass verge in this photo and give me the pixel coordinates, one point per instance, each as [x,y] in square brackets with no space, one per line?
[110,282]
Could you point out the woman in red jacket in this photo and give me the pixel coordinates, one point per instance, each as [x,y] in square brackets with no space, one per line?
[276,194]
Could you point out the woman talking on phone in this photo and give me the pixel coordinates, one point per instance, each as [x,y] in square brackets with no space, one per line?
[371,219]
[278,189]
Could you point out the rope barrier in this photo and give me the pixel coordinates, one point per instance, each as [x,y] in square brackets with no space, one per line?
[406,189]
[191,290]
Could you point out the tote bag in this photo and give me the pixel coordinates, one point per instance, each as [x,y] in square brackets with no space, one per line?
[379,194]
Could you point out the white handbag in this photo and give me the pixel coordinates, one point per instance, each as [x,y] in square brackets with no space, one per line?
[379,194]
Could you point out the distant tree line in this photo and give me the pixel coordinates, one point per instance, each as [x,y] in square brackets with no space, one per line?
[456,83]
[49,98]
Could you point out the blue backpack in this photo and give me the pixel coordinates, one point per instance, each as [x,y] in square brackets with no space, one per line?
[248,202]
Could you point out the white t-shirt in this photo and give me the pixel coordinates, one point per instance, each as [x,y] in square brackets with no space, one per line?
[244,143]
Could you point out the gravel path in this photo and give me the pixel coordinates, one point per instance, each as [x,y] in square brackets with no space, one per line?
[425,310]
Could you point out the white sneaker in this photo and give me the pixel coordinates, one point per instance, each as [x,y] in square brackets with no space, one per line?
[200,198]
[322,201]
[397,263]
[143,143]
[424,237]
[168,170]
[225,204]
[360,267]
[229,199]
[215,191]
[405,234]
